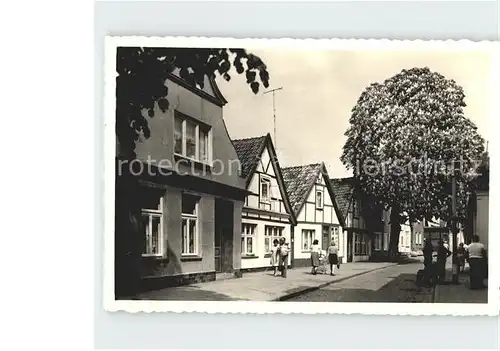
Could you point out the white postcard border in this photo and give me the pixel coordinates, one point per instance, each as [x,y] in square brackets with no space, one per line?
[112,305]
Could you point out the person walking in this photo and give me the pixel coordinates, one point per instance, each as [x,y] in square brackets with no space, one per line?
[428,251]
[442,255]
[333,257]
[315,252]
[461,257]
[476,253]
[284,249]
[275,256]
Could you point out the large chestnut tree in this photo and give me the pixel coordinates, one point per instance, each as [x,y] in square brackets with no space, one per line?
[405,137]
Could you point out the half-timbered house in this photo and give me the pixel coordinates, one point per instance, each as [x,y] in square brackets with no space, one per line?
[267,213]
[312,199]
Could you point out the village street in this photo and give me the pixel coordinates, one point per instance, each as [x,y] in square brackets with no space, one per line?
[354,282]
[392,284]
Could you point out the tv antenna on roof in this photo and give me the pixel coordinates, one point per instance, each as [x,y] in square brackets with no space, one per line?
[274,111]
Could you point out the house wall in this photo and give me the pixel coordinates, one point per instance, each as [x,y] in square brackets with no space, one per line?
[405,237]
[265,170]
[482,217]
[263,213]
[172,268]
[158,149]
[302,257]
[262,258]
[357,226]
[174,263]
[314,219]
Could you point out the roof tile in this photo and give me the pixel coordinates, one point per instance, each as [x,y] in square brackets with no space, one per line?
[298,181]
[249,153]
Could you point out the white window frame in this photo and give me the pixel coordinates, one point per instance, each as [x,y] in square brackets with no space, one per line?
[154,213]
[310,236]
[378,241]
[189,218]
[321,198]
[272,232]
[198,128]
[386,241]
[248,230]
[265,180]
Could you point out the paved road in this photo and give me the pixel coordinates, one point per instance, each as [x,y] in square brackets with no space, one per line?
[393,284]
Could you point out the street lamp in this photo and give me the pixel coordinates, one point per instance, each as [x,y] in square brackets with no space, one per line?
[454,227]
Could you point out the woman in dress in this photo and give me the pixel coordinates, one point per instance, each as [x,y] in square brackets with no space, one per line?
[315,250]
[333,257]
[275,256]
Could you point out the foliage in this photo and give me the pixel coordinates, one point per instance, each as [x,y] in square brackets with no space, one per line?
[142,72]
[405,135]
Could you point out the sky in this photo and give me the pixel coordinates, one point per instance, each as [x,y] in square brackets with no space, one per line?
[321,87]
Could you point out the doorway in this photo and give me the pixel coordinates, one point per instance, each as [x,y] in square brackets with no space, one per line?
[223,238]
[349,246]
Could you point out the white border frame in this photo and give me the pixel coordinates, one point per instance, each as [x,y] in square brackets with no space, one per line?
[110,304]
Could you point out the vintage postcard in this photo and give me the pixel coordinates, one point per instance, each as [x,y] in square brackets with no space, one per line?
[300,176]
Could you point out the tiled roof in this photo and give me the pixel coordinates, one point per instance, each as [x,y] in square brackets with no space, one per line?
[343,188]
[249,152]
[299,181]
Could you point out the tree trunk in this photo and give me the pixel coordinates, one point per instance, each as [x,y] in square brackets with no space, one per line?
[395,232]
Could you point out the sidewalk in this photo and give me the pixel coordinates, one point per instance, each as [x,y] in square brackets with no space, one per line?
[262,286]
[449,293]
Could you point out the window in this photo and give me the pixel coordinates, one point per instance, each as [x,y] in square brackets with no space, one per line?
[386,241]
[308,237]
[152,221]
[355,209]
[357,244]
[419,239]
[270,234]
[248,238]
[191,139]
[189,224]
[319,199]
[265,189]
[361,244]
[378,241]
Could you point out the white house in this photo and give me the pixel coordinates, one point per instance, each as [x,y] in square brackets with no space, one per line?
[267,213]
[313,203]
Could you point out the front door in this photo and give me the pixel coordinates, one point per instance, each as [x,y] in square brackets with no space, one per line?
[325,242]
[223,238]
[349,246]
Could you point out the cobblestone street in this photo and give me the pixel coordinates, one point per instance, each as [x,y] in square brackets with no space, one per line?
[392,284]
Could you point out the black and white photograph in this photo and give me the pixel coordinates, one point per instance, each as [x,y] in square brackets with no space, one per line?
[260,175]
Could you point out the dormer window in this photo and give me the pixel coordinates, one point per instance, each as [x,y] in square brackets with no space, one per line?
[319,199]
[265,189]
[192,138]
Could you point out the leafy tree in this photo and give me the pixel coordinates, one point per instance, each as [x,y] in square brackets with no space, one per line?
[142,72]
[405,136]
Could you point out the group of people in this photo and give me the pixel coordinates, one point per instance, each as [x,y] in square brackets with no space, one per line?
[316,255]
[279,256]
[474,254]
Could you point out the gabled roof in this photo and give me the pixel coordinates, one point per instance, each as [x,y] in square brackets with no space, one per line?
[344,192]
[249,153]
[299,181]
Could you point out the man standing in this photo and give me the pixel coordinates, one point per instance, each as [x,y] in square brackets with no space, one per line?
[477,263]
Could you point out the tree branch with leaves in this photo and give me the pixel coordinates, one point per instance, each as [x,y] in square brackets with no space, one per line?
[141,76]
